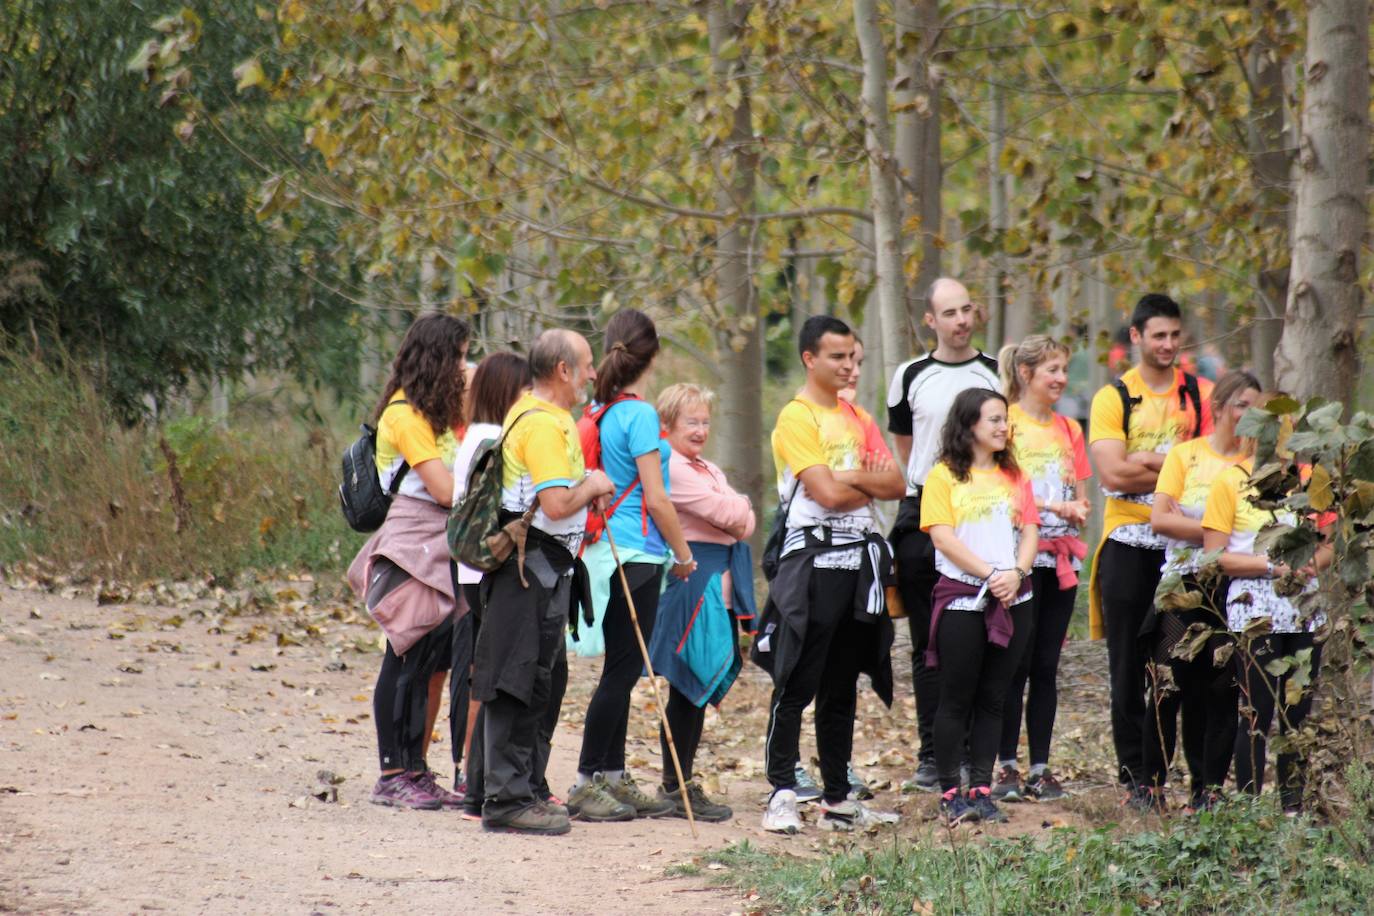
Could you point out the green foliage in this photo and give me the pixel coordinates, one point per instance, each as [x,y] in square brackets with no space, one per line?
[144,260]
[1244,857]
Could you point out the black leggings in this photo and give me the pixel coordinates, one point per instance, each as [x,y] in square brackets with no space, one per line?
[685,718]
[1040,666]
[608,713]
[974,676]
[401,698]
[1261,694]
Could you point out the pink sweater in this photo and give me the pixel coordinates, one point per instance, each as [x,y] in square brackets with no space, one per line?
[705,503]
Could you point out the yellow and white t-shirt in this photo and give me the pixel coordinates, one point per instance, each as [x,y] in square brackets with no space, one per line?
[1231,510]
[1158,423]
[987,512]
[808,435]
[1189,471]
[542,451]
[403,434]
[1053,457]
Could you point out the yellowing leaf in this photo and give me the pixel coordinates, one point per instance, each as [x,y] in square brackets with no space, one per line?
[1319,494]
[249,74]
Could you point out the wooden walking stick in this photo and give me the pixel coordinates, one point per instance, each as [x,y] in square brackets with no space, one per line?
[653,681]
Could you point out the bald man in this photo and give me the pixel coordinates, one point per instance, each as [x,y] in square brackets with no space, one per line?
[919,399]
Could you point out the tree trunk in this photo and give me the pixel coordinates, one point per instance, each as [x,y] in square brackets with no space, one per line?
[1318,353]
[741,406]
[887,218]
[917,92]
[1267,138]
[999,218]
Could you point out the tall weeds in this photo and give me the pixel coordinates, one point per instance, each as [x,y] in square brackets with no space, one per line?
[183,498]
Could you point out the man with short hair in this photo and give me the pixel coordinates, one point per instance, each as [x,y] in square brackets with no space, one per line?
[1134,422]
[521,639]
[918,401]
[825,621]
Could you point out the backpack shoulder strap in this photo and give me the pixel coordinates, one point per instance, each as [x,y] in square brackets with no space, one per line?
[1127,402]
[1189,392]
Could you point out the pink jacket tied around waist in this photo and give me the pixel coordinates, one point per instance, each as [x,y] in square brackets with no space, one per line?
[413,538]
[1065,550]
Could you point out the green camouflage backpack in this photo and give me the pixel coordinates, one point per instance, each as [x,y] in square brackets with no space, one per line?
[476,538]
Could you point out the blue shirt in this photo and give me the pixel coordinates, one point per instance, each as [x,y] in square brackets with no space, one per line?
[629,429]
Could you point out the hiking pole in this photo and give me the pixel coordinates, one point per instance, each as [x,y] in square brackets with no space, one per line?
[653,681]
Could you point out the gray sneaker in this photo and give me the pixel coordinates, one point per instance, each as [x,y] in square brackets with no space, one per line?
[627,792]
[536,819]
[927,779]
[592,801]
[1008,785]
[703,809]
[804,785]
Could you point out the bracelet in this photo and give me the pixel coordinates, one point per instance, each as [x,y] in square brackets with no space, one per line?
[687,562]
[1021,574]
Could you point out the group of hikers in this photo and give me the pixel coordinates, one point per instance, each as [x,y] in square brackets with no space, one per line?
[633,535]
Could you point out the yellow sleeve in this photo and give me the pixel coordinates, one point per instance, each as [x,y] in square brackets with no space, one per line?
[409,434]
[1104,420]
[1220,514]
[543,450]
[1173,476]
[797,440]
[937,503]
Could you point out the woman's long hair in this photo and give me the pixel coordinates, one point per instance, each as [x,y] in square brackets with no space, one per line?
[956,439]
[630,346]
[429,369]
[1029,354]
[496,385]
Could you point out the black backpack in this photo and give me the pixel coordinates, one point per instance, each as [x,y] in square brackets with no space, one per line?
[361,496]
[1187,393]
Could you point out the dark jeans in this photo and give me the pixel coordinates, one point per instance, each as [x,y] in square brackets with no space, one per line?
[827,671]
[974,677]
[686,719]
[1128,577]
[916,578]
[1263,694]
[608,713]
[1053,609]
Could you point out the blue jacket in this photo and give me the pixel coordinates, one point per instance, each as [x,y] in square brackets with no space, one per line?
[695,644]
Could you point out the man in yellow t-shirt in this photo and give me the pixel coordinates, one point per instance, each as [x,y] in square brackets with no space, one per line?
[519,663]
[1133,424]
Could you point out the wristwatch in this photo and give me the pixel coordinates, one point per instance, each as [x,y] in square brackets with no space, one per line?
[1021,574]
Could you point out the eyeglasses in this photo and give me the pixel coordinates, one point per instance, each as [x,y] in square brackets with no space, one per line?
[696,424]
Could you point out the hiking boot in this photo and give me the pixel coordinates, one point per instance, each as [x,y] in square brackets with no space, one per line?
[804,785]
[402,791]
[703,809]
[926,778]
[980,798]
[1044,787]
[781,815]
[450,801]
[625,791]
[553,803]
[858,789]
[534,819]
[955,809]
[592,801]
[850,815]
[1008,785]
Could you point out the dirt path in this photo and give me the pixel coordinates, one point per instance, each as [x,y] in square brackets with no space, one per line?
[159,748]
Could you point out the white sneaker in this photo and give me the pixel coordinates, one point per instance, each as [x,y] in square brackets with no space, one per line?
[850,814]
[781,816]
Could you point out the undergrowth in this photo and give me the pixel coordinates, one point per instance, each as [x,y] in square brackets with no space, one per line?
[1246,857]
[188,497]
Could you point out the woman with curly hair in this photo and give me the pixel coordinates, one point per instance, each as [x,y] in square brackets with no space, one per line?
[403,571]
[980,512]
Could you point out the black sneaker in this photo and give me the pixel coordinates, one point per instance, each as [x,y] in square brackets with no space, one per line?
[980,799]
[1044,786]
[1008,785]
[1146,800]
[955,809]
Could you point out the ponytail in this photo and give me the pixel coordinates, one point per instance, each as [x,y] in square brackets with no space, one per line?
[1028,354]
[1006,368]
[631,343]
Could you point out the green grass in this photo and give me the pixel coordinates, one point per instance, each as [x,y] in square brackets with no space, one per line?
[1244,858]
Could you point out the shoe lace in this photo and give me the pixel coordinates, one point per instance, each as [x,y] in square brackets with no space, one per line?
[803,779]
[631,788]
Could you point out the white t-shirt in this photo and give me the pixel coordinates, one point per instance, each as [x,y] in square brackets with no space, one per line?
[919,399]
[477,435]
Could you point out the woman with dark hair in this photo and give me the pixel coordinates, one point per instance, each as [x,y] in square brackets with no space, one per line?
[645,526]
[1204,693]
[497,383]
[980,513]
[403,572]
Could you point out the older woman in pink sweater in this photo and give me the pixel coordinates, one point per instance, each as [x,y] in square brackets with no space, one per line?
[695,643]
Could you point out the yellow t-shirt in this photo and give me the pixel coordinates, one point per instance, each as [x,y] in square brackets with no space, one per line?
[1053,458]
[542,451]
[987,512]
[1189,471]
[403,434]
[1158,423]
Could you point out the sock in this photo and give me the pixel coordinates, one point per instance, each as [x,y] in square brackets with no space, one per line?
[1038,769]
[1003,762]
[613,776]
[582,780]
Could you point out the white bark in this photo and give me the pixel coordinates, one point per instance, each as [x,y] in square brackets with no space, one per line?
[882,174]
[999,218]
[917,92]
[1318,353]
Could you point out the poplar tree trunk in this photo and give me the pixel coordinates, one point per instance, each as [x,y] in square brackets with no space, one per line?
[887,229]
[740,408]
[1318,353]
[917,91]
